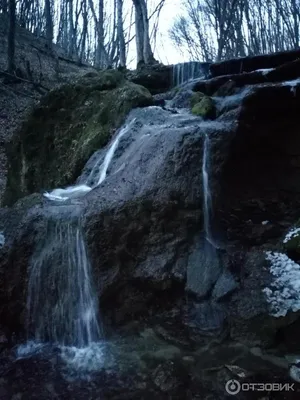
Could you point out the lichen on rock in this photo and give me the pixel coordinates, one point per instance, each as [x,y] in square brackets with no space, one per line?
[67,126]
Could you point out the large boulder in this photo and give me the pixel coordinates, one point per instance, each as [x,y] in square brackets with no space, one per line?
[64,130]
[157,78]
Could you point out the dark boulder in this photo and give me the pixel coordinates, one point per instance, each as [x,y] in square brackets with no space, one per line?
[218,86]
[157,78]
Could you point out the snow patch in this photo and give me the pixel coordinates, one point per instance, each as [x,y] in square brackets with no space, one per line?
[283,295]
[293,85]
[265,71]
[291,234]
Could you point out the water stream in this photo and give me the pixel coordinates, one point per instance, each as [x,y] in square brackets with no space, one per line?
[96,176]
[62,304]
[188,71]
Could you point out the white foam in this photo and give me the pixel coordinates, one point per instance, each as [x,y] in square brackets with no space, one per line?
[67,193]
[29,348]
[292,83]
[265,71]
[85,359]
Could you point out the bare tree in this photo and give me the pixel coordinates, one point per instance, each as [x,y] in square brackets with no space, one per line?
[49,24]
[218,29]
[121,39]
[143,46]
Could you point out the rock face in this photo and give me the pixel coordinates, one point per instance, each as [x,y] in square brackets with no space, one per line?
[152,260]
[64,130]
[157,78]
[247,64]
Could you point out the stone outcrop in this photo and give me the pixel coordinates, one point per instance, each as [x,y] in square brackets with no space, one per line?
[252,63]
[157,78]
[64,130]
[153,266]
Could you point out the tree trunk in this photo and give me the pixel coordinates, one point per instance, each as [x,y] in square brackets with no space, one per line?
[101,58]
[72,34]
[139,32]
[49,24]
[84,31]
[143,46]
[121,40]
[11,37]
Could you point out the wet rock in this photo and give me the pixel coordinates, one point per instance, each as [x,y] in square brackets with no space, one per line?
[227,89]
[203,268]
[166,378]
[156,77]
[224,286]
[182,98]
[247,64]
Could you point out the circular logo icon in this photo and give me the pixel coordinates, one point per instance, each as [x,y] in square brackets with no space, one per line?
[233,387]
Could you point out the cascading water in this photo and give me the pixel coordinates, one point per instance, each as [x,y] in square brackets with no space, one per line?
[96,176]
[188,71]
[206,189]
[207,198]
[62,305]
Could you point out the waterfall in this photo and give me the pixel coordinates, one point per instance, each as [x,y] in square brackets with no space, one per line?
[207,197]
[206,189]
[62,304]
[97,174]
[185,72]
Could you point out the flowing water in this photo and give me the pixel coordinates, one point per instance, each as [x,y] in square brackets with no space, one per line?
[188,71]
[96,176]
[207,207]
[62,305]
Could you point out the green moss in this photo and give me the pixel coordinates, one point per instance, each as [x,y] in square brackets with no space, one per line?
[69,124]
[196,98]
[205,108]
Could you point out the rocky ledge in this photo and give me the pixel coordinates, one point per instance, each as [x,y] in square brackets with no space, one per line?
[231,308]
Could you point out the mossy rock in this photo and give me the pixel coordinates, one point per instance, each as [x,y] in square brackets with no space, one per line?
[196,98]
[64,130]
[205,108]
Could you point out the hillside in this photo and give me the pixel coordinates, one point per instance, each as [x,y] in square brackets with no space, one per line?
[39,72]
